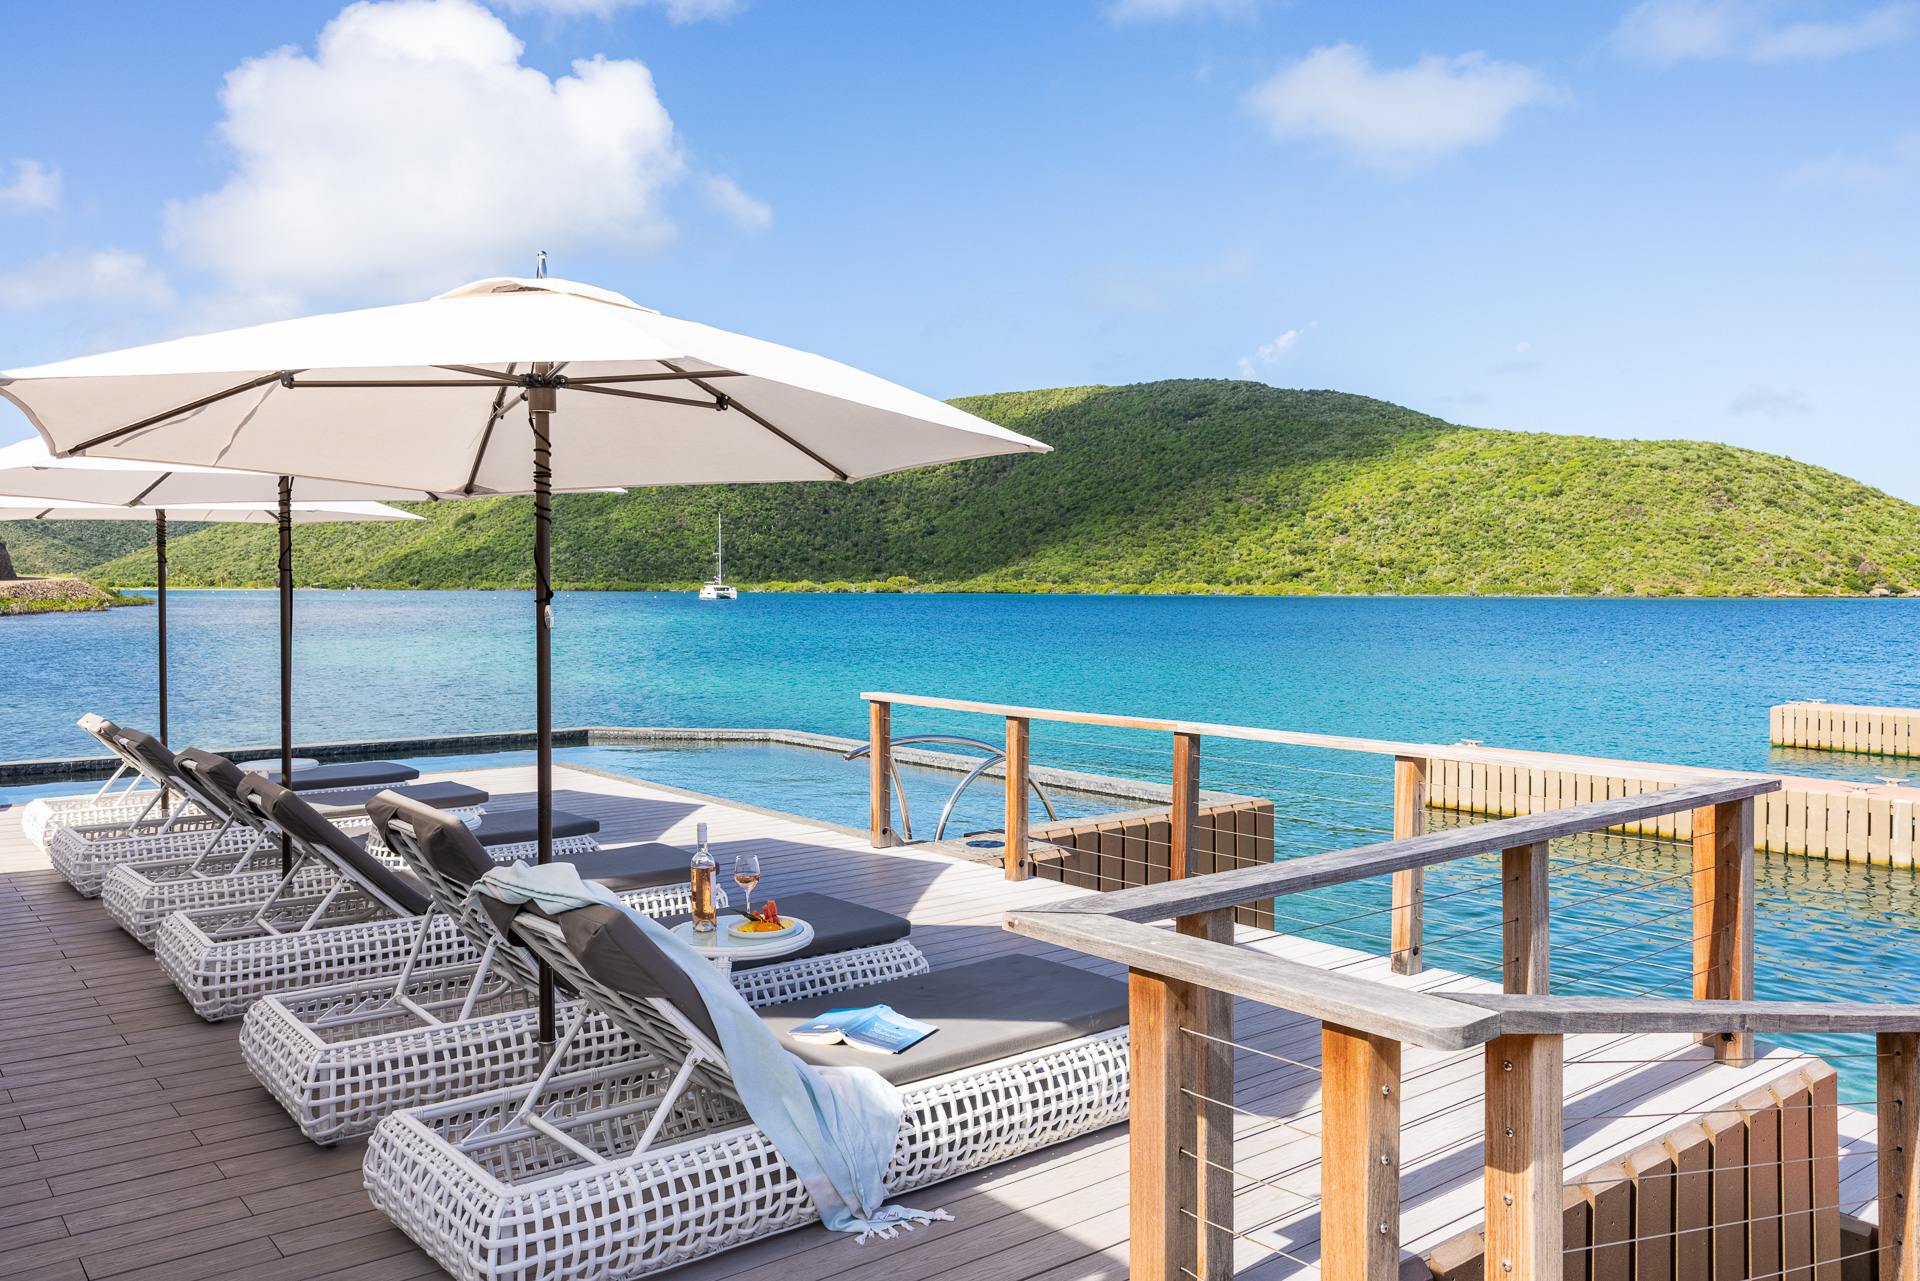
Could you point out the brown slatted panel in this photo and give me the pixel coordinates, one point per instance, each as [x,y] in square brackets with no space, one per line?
[1727,1132]
[1610,1196]
[1652,1171]
[1796,1183]
[1692,1202]
[1763,1181]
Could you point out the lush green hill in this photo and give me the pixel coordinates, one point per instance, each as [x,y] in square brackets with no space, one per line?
[72,546]
[1185,485]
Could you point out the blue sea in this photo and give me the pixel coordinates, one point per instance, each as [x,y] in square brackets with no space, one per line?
[1669,680]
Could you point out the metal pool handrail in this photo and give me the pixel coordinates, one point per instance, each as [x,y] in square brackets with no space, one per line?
[997,756]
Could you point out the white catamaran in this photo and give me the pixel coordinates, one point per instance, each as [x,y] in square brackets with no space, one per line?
[718,589]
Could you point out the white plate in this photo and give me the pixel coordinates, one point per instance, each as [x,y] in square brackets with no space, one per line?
[764,936]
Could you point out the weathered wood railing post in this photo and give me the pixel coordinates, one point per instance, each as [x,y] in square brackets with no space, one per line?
[1018,859]
[1180,1144]
[1409,888]
[1897,1145]
[1526,951]
[1723,915]
[1524,1202]
[1359,1155]
[1185,815]
[880,775]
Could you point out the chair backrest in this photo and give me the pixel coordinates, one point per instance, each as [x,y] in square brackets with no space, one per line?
[447,858]
[322,840]
[137,751]
[213,782]
[619,972]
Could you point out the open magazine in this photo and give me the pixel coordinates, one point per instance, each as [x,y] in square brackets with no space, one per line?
[878,1029]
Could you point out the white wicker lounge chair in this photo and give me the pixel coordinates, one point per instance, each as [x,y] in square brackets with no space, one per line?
[85,853]
[140,895]
[41,818]
[368,923]
[339,1059]
[651,1163]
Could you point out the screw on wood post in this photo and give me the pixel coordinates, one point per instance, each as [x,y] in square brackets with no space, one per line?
[1409,888]
[880,774]
[1899,1133]
[1525,1204]
[1360,1156]
[1207,1069]
[1018,858]
[1723,916]
[1527,955]
[1185,816]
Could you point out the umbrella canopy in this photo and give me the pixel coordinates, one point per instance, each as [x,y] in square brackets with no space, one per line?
[415,395]
[28,470]
[14,507]
[430,395]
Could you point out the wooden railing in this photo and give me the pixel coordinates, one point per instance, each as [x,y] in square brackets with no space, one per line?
[1411,763]
[1183,983]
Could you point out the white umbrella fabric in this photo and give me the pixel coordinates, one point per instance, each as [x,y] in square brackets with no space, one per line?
[15,507]
[426,395]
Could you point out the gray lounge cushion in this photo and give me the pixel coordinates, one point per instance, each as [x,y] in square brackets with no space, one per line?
[459,857]
[838,926]
[985,1011]
[443,795]
[149,750]
[522,826]
[614,951]
[306,825]
[352,774]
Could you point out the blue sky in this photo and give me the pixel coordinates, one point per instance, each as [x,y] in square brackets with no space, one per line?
[1691,218]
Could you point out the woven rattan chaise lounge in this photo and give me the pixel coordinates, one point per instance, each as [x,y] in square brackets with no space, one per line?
[42,818]
[339,1059]
[140,895]
[190,821]
[650,1163]
[369,921]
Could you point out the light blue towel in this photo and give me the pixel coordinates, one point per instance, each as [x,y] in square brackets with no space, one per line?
[835,1126]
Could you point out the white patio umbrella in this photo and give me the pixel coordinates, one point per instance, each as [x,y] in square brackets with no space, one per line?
[15,507]
[425,394]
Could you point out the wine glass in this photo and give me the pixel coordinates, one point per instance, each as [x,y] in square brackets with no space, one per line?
[746,873]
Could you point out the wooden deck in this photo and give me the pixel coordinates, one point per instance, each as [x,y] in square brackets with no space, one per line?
[134,1143]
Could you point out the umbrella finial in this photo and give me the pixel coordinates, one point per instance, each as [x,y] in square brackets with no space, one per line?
[540,265]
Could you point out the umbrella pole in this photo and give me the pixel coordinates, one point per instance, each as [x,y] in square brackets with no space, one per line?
[286,657]
[160,601]
[540,401]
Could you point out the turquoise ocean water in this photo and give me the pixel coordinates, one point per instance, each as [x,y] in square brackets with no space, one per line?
[1675,680]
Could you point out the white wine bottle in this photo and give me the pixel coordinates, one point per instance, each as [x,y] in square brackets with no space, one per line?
[705,920]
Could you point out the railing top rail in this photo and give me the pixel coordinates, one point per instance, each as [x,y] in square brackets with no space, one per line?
[1306,989]
[1337,867]
[1571,1014]
[1335,742]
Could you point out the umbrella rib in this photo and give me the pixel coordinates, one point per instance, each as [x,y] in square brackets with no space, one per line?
[136,500]
[486,436]
[716,403]
[734,404]
[607,378]
[116,433]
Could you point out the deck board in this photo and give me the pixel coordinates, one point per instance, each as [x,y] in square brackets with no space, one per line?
[134,1143]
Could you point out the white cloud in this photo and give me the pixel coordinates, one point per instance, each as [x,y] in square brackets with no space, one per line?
[725,197]
[1269,354]
[1664,32]
[1901,163]
[677,10]
[34,187]
[413,152]
[1400,118]
[111,275]
[1770,403]
[1159,10]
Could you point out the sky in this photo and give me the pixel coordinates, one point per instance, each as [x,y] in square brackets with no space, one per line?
[1674,218]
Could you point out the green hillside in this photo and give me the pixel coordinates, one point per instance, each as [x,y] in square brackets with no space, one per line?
[1186,485]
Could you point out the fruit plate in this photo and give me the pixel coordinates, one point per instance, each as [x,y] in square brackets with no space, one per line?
[789,927]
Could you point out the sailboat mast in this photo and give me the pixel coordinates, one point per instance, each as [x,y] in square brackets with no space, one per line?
[720,547]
